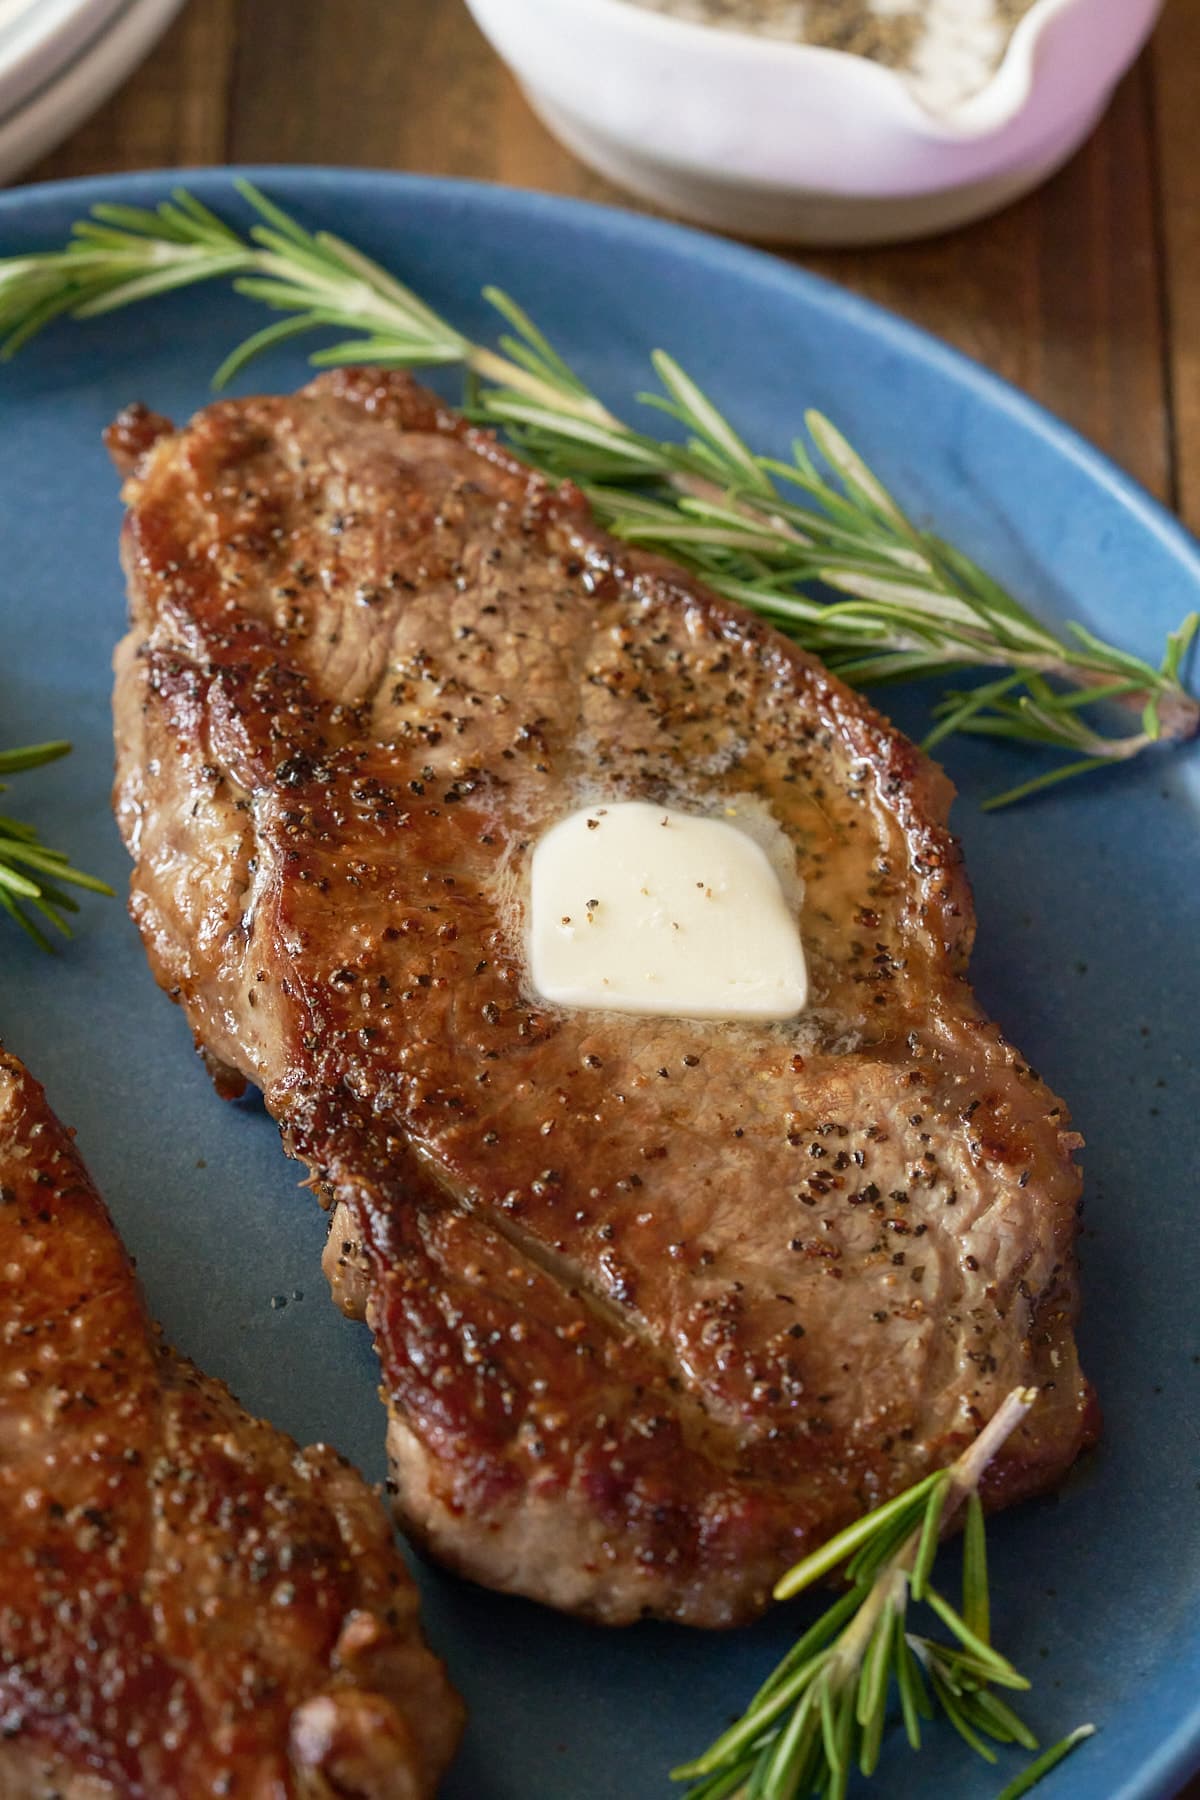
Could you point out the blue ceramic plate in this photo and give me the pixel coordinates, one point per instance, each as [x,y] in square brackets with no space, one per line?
[1088,905]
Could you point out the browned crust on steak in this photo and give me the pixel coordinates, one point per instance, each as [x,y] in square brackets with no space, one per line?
[189,1604]
[658,1303]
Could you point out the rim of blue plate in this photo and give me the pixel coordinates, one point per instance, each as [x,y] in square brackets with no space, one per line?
[1179,1756]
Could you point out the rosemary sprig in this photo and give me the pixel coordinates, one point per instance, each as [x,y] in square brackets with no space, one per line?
[816,543]
[824,1707]
[32,876]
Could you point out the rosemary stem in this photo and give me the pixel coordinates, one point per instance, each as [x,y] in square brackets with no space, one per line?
[1178,715]
[889,1590]
[816,543]
[967,1473]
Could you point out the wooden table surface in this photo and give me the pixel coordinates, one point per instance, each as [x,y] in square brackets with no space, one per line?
[1086,294]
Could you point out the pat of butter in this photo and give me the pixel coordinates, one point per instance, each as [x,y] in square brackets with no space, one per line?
[643,909]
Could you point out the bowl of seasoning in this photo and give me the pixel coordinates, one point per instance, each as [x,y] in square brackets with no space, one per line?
[821,121]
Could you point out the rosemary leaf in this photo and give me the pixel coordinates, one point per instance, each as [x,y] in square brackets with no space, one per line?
[1039,783]
[833,1714]
[1003,1717]
[954,1711]
[914,1701]
[1048,1760]
[976,1610]
[840,1547]
[32,756]
[872,1686]
[32,875]
[784,1770]
[1000,1667]
[728,1781]
[928,1542]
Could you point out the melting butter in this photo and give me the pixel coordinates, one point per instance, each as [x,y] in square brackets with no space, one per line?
[645,909]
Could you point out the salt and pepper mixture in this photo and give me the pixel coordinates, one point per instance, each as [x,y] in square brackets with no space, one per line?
[947,50]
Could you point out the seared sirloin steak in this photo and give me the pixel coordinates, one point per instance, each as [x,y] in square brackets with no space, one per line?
[189,1604]
[659,1303]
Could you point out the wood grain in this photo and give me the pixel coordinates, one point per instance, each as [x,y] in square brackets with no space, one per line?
[414,88]
[172,113]
[1177,75]
[1086,294]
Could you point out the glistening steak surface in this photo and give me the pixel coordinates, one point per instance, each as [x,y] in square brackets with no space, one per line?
[658,1303]
[189,1604]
